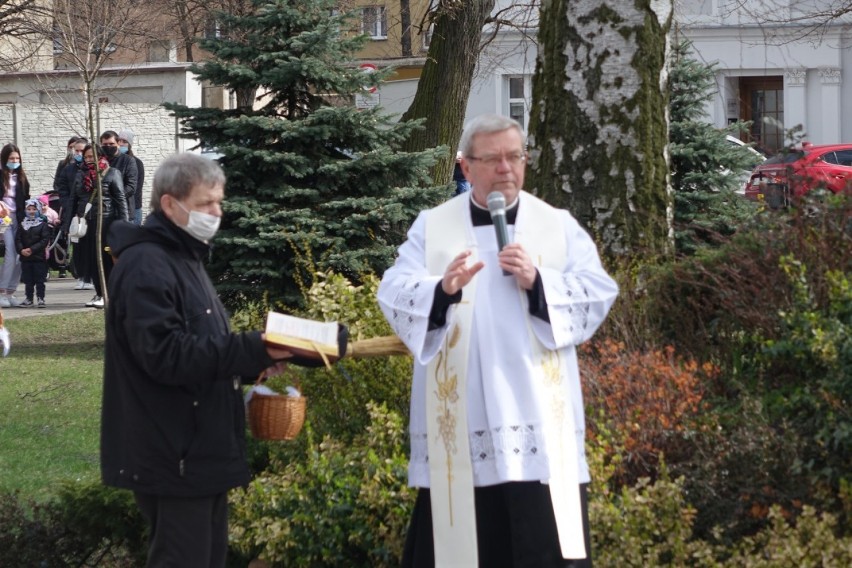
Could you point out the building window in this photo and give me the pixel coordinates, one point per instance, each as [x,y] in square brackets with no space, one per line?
[518,97]
[162,51]
[212,30]
[374,22]
[427,37]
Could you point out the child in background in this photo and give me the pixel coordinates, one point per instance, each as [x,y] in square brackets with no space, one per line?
[48,212]
[31,241]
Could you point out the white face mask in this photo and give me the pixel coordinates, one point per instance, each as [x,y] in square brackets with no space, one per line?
[202,226]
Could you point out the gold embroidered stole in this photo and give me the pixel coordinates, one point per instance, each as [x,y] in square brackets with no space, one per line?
[539,229]
[449,232]
[450,469]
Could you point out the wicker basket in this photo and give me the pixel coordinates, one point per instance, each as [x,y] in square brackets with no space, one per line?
[276,416]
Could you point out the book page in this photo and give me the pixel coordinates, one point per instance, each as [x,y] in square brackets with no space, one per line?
[283,326]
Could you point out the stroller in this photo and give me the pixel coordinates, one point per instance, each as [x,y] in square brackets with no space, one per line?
[58,249]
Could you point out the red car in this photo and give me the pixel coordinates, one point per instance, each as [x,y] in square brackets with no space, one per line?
[795,172]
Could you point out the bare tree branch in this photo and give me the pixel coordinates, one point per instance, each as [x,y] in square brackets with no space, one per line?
[788,21]
[20,36]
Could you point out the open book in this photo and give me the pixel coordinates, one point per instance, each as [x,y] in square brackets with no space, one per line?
[304,337]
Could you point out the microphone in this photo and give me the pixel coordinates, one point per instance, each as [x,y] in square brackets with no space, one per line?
[497,208]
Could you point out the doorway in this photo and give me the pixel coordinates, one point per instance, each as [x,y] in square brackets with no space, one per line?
[762,104]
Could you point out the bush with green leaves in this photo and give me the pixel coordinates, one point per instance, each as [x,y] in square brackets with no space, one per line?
[811,541]
[340,505]
[735,472]
[652,524]
[84,524]
[338,397]
[808,374]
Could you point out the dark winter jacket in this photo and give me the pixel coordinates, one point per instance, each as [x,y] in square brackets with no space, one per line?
[63,184]
[173,419]
[36,238]
[58,178]
[115,204]
[140,183]
[129,175]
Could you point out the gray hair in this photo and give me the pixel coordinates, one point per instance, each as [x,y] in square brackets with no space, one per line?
[178,174]
[487,124]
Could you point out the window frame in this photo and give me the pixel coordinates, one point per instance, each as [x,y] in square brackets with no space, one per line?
[377,23]
[525,100]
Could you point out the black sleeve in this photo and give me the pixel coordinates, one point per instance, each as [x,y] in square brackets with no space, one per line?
[78,204]
[342,344]
[140,183]
[57,177]
[61,185]
[538,303]
[440,305]
[119,201]
[129,177]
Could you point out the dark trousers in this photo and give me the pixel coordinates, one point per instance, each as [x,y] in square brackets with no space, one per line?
[515,528]
[186,532]
[33,275]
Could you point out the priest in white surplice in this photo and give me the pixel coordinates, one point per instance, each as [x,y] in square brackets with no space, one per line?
[497,424]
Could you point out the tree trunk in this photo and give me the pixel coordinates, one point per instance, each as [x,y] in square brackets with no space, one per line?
[187,33]
[444,86]
[599,120]
[405,25]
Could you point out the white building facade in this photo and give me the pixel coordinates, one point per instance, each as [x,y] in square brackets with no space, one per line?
[775,67]
[779,64]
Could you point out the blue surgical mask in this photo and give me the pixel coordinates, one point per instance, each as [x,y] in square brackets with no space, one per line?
[13,165]
[31,214]
[123,149]
[78,158]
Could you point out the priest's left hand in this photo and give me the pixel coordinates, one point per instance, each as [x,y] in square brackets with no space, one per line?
[515,260]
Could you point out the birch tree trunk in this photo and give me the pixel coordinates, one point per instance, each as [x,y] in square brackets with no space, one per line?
[599,120]
[445,83]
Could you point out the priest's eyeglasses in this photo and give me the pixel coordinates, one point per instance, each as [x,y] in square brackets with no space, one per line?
[492,160]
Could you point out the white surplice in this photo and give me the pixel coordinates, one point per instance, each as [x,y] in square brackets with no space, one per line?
[504,411]
[506,406]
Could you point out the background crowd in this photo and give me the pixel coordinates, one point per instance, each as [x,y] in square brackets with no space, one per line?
[35,230]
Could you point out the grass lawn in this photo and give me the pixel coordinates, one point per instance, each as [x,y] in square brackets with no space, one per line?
[50,397]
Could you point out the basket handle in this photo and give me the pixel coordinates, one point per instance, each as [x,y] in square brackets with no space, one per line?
[296,382]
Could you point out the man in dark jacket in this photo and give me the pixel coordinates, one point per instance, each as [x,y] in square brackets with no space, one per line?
[125,146]
[173,418]
[123,163]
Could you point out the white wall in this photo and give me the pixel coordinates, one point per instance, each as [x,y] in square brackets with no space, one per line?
[42,133]
[509,55]
[40,112]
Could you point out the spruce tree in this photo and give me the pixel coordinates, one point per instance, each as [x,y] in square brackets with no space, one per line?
[313,183]
[705,167]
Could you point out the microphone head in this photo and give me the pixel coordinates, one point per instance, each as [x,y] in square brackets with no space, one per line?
[496,203]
